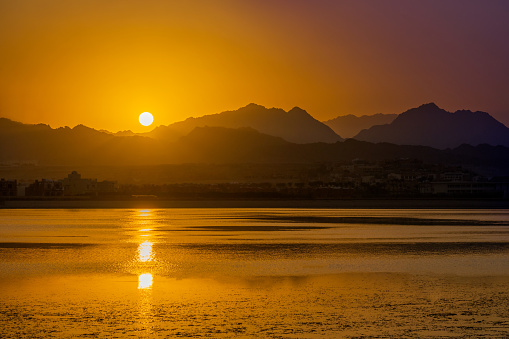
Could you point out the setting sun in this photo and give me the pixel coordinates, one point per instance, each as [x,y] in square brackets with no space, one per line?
[146,119]
[310,169]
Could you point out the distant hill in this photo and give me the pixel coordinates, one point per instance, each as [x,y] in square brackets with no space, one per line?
[228,145]
[246,145]
[350,125]
[62,146]
[295,125]
[81,145]
[429,125]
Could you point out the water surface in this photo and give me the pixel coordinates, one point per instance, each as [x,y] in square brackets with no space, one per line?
[288,273]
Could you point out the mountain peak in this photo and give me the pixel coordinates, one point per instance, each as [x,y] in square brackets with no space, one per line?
[253,106]
[6,121]
[430,125]
[81,127]
[298,111]
[350,125]
[10,124]
[295,126]
[125,133]
[430,105]
[427,108]
[423,112]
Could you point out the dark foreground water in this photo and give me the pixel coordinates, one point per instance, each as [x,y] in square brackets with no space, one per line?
[279,273]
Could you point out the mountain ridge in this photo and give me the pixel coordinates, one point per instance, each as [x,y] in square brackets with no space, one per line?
[82,145]
[433,126]
[296,125]
[350,125]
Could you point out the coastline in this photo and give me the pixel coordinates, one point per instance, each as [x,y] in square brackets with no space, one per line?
[340,204]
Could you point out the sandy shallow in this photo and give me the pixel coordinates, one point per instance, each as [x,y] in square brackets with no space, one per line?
[342,305]
[250,273]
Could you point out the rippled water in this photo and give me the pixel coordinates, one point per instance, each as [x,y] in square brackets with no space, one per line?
[285,273]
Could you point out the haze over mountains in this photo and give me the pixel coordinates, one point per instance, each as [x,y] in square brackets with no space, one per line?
[80,145]
[427,125]
[187,142]
[295,126]
[350,125]
[432,126]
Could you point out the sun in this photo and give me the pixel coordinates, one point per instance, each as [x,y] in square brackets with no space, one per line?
[146,119]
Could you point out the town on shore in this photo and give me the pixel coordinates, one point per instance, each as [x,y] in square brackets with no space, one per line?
[357,179]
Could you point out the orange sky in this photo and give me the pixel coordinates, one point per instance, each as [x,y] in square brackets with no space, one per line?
[102,63]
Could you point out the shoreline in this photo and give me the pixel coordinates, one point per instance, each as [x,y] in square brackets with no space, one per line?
[340,204]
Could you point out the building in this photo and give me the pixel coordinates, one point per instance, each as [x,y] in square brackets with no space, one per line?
[466,188]
[74,184]
[45,188]
[22,186]
[8,188]
[454,176]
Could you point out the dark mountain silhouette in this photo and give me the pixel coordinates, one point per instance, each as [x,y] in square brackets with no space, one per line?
[245,145]
[85,146]
[127,133]
[295,125]
[350,125]
[220,144]
[430,125]
[79,145]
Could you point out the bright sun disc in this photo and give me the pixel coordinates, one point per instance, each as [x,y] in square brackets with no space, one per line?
[146,118]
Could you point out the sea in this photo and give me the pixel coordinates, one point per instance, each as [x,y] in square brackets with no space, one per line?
[254,273]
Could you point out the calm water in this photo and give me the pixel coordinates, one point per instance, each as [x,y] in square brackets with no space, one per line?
[283,273]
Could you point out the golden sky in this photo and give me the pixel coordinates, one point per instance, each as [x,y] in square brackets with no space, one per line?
[102,63]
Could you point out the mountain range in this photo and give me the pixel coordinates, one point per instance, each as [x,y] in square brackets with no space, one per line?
[429,125]
[426,125]
[295,126]
[188,142]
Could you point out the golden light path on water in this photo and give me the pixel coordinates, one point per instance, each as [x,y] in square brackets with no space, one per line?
[145,252]
[251,273]
[145,281]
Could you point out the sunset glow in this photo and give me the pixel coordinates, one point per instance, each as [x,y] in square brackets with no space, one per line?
[119,58]
[254,168]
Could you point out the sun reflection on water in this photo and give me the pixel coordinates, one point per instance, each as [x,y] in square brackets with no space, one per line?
[145,253]
[144,213]
[145,281]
